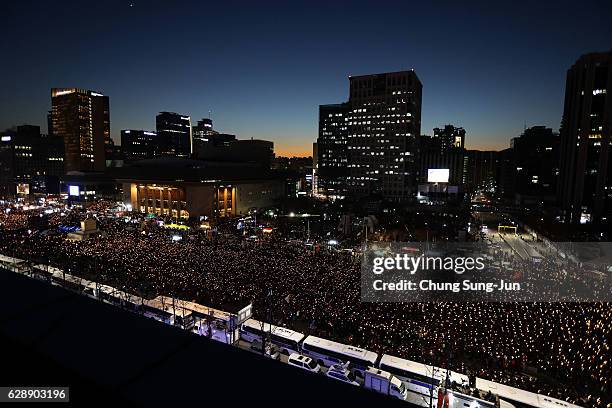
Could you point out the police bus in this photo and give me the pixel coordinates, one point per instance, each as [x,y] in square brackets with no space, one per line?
[327,352]
[520,398]
[288,340]
[419,378]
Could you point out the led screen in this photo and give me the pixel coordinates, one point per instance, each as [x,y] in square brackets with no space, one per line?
[437,175]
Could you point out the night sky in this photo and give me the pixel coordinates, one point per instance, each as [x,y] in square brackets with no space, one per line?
[263,68]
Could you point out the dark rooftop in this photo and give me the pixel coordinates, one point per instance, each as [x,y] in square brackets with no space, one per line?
[53,337]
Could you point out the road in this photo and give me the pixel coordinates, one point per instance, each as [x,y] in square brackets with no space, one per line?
[524,249]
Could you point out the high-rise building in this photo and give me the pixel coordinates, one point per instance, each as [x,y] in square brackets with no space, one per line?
[374,137]
[30,162]
[202,133]
[332,151]
[585,178]
[138,144]
[482,170]
[444,150]
[174,133]
[384,126]
[535,165]
[206,140]
[450,136]
[82,119]
[203,130]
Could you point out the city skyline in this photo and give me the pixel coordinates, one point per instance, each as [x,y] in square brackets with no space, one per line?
[410,198]
[488,69]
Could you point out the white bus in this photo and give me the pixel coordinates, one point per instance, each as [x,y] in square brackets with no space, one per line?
[425,380]
[420,378]
[288,340]
[459,400]
[327,352]
[14,264]
[521,398]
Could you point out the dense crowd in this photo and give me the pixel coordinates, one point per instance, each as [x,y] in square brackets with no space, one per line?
[564,346]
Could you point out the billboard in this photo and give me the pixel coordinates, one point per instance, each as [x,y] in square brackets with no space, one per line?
[74,190]
[23,189]
[437,175]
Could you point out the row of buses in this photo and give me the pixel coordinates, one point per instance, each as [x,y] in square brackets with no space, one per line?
[419,378]
[207,321]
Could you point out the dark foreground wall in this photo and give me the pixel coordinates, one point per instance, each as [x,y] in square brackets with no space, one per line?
[53,337]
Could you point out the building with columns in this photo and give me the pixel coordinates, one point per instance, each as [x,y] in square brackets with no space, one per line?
[182,188]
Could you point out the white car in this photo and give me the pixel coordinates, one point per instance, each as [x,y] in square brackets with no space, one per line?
[305,363]
[341,372]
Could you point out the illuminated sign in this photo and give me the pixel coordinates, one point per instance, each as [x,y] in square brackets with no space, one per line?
[6,138]
[63,92]
[437,175]
[74,191]
[585,218]
[96,94]
[23,188]
[267,230]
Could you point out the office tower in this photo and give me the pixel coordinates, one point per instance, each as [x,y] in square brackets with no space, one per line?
[109,152]
[535,165]
[585,179]
[174,132]
[444,150]
[384,124]
[202,133]
[434,153]
[206,140]
[138,144]
[203,129]
[332,151]
[375,134]
[30,162]
[81,118]
[450,136]
[482,170]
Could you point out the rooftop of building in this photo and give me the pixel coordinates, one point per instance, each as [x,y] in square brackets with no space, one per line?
[189,170]
[409,71]
[115,357]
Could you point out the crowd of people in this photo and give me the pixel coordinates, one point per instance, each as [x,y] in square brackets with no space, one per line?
[565,347]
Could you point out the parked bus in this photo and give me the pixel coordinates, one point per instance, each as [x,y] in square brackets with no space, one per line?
[521,398]
[288,340]
[419,378]
[327,352]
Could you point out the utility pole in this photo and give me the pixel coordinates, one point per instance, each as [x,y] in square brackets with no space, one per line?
[173,305]
[366,233]
[431,388]
[447,379]
[266,338]
[269,299]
